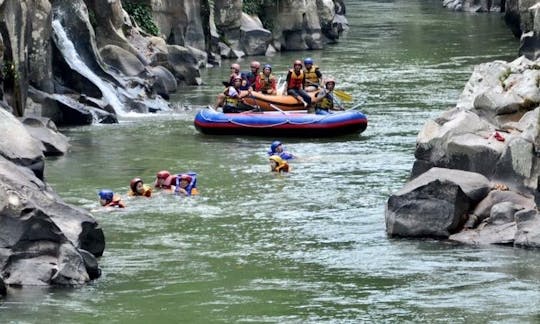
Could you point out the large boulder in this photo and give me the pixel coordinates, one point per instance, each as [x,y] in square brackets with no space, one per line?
[18,146]
[40,236]
[435,204]
[253,37]
[44,130]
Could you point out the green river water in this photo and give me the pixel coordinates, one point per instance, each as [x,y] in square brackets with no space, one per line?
[308,247]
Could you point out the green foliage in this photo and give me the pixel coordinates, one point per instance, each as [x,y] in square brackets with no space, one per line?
[9,71]
[252,7]
[142,14]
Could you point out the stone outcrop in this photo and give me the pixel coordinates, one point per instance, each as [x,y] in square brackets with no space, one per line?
[43,240]
[493,133]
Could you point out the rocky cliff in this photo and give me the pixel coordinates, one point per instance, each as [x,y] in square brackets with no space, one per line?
[85,61]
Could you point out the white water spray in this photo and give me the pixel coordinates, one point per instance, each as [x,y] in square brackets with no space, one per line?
[76,63]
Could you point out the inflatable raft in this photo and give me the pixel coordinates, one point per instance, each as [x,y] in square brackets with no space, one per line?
[277,124]
[286,103]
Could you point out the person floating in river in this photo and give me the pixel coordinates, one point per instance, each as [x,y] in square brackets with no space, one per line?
[276,148]
[186,184]
[162,180]
[312,74]
[107,198]
[138,188]
[296,84]
[324,102]
[278,165]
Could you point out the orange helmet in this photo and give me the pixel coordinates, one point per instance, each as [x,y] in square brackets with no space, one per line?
[164,174]
[297,62]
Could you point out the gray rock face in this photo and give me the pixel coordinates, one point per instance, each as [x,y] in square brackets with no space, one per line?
[494,131]
[18,146]
[40,236]
[44,130]
[435,204]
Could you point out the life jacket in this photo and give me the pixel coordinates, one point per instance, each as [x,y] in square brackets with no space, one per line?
[191,189]
[115,202]
[296,81]
[231,101]
[265,83]
[327,102]
[282,165]
[147,192]
[311,75]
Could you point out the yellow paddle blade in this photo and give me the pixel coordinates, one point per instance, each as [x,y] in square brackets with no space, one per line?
[342,95]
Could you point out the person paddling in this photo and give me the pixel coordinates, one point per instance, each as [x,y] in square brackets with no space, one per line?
[296,84]
[324,102]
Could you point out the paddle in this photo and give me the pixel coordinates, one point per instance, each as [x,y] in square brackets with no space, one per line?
[276,108]
[342,95]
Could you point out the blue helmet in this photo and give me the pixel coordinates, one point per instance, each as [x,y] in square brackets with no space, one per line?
[106,194]
[308,60]
[274,145]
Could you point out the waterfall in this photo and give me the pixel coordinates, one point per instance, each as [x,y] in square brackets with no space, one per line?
[77,64]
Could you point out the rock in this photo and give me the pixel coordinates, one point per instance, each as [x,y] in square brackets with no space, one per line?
[493,234]
[123,61]
[254,38]
[44,130]
[435,204]
[40,236]
[165,82]
[183,64]
[3,290]
[18,146]
[495,197]
[528,229]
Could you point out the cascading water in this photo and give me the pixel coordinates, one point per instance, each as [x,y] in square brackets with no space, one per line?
[66,47]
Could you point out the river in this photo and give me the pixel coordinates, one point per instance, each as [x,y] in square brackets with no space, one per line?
[307,247]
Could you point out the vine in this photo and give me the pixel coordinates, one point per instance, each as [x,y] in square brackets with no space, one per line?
[142,14]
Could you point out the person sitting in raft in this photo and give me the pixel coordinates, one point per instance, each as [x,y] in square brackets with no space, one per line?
[235,72]
[276,148]
[233,97]
[324,102]
[107,198]
[312,74]
[296,84]
[138,188]
[186,184]
[266,82]
[278,165]
[251,76]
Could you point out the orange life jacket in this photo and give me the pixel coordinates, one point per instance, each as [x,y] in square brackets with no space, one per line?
[296,81]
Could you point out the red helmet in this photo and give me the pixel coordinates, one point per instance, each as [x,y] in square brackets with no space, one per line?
[255,64]
[133,183]
[186,177]
[164,174]
[297,62]
[237,77]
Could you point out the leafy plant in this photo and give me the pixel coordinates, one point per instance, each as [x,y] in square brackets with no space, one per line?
[142,14]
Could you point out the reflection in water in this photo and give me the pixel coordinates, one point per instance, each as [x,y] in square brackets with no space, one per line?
[309,246]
